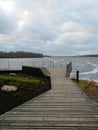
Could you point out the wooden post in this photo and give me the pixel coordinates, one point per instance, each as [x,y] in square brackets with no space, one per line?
[77,76]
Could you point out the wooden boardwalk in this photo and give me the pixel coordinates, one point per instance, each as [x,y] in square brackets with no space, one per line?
[65,106]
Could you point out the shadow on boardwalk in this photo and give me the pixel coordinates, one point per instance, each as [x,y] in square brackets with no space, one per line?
[65,106]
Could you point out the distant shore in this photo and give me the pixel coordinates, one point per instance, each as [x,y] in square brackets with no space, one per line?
[20,54]
[93,55]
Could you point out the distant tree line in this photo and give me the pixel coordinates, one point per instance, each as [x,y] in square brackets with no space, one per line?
[20,54]
[92,55]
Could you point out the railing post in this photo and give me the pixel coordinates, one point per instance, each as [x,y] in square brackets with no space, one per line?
[21,64]
[50,64]
[43,64]
[8,65]
[53,63]
[61,63]
[33,63]
[77,76]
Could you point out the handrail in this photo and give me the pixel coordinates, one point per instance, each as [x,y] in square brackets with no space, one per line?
[17,64]
[68,69]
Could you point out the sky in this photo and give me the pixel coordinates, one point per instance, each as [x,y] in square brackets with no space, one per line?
[50,27]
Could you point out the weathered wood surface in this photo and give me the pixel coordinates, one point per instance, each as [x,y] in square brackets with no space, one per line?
[65,106]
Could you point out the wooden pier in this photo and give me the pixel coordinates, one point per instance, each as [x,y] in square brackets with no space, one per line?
[64,107]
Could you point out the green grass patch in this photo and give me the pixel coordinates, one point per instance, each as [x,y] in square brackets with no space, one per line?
[19,79]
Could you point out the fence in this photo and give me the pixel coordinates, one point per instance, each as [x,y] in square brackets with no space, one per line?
[17,65]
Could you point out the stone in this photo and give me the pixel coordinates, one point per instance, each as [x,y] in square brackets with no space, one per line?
[8,88]
[13,74]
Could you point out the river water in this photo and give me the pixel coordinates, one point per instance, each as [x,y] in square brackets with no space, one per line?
[87,66]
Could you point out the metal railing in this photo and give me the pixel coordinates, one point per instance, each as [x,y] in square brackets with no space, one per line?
[17,65]
[68,69]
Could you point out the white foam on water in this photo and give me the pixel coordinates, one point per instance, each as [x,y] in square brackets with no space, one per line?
[94,71]
[90,75]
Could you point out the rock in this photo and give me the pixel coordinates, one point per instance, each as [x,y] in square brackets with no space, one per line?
[8,88]
[13,74]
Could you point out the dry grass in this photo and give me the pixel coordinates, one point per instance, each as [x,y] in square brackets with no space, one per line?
[89,87]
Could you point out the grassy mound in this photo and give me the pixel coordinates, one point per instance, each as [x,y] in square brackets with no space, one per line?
[27,88]
[90,88]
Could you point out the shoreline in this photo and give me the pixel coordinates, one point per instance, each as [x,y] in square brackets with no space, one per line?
[90,88]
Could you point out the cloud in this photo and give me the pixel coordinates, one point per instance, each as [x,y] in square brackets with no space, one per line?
[54,27]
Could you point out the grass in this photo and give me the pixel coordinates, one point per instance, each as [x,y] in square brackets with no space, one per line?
[27,88]
[19,78]
[89,87]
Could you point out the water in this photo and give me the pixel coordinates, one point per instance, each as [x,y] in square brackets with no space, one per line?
[88,66]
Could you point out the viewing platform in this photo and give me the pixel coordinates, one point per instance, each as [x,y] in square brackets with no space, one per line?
[65,106]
